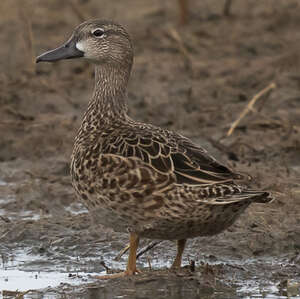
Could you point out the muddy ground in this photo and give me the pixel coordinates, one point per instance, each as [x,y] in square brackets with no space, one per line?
[195,79]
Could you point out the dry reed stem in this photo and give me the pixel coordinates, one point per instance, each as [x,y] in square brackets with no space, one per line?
[227,8]
[149,263]
[183,11]
[5,219]
[122,252]
[15,294]
[144,250]
[249,107]
[177,38]
[21,294]
[24,11]
[77,11]
[147,248]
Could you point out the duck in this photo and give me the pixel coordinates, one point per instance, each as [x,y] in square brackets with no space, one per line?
[135,177]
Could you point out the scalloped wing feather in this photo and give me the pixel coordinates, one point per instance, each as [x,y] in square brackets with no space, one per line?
[168,152]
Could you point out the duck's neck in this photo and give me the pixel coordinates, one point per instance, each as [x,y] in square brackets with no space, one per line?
[109,98]
[108,104]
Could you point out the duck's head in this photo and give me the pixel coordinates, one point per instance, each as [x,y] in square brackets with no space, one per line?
[101,42]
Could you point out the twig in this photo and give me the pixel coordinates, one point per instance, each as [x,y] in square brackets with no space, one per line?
[192,266]
[6,233]
[149,263]
[15,294]
[183,11]
[19,114]
[10,123]
[249,107]
[102,263]
[182,48]
[147,248]
[21,294]
[144,250]
[122,252]
[227,8]
[5,219]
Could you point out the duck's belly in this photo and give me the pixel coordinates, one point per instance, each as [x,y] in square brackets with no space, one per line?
[211,220]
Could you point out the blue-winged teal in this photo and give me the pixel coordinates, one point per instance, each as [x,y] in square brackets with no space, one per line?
[136,177]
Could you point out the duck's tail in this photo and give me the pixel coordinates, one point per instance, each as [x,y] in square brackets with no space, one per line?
[260,196]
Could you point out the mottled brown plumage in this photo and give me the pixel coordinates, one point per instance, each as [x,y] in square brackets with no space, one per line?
[136,177]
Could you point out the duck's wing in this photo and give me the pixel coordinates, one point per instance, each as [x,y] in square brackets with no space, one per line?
[144,189]
[168,152]
[193,165]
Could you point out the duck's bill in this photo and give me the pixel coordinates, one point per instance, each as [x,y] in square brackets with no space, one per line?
[67,51]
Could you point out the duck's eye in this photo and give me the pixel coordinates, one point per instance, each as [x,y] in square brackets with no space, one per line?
[98,32]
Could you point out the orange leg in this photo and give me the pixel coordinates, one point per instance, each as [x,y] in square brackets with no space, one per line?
[131,264]
[178,258]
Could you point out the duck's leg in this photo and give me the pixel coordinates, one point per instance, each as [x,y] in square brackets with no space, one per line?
[178,258]
[131,264]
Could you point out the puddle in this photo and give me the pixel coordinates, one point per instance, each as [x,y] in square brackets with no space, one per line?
[76,208]
[2,183]
[16,280]
[26,215]
[21,272]
[7,199]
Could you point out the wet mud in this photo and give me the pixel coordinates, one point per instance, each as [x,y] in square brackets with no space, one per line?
[195,79]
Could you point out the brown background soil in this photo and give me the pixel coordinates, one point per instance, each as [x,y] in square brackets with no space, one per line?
[199,94]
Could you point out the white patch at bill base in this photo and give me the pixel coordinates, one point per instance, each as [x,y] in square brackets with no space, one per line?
[80,46]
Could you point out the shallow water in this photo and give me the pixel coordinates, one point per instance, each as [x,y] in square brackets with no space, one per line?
[16,280]
[22,271]
[2,183]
